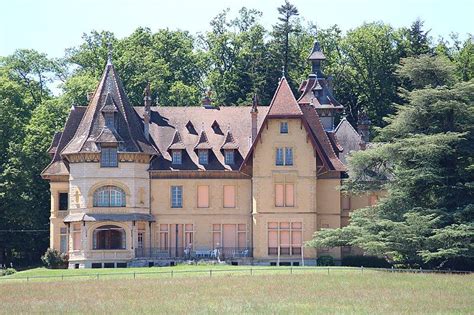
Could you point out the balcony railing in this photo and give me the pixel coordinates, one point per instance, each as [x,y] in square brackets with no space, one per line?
[222,253]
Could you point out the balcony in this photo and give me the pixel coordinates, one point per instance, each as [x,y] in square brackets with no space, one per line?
[223,253]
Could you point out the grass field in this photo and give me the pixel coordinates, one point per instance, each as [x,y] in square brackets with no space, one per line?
[230,290]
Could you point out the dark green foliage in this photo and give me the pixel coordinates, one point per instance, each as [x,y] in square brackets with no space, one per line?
[54,260]
[7,272]
[365,261]
[325,260]
[425,164]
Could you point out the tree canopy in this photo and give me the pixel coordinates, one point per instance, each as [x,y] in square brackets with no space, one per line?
[410,86]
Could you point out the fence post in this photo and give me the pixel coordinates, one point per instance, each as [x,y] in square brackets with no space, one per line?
[134,275]
[97,276]
[362,269]
[251,271]
[62,277]
[291,270]
[171,273]
[210,272]
[328,270]
[27,279]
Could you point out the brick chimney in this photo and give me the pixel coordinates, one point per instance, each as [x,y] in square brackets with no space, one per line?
[147,112]
[363,128]
[254,114]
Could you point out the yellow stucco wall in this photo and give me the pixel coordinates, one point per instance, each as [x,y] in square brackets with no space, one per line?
[302,174]
[317,199]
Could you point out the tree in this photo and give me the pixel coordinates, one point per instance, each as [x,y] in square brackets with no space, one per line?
[425,70]
[283,30]
[425,164]
[369,56]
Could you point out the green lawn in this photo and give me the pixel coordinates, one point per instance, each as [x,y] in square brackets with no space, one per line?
[229,290]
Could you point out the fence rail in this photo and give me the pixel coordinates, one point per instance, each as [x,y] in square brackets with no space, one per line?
[248,271]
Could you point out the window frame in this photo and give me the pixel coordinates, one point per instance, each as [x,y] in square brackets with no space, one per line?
[101,202]
[179,191]
[106,154]
[284,156]
[229,157]
[176,161]
[205,153]
[284,128]
[60,208]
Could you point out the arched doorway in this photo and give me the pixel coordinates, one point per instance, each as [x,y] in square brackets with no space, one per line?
[109,237]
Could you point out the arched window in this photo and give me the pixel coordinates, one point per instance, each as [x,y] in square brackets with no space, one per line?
[109,196]
[109,237]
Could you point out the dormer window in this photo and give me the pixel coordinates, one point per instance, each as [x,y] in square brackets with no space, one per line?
[108,157]
[284,127]
[109,120]
[176,157]
[203,157]
[229,157]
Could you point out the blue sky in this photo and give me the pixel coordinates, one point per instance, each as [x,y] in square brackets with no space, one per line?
[50,26]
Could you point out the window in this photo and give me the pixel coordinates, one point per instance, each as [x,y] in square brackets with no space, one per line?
[176,196]
[109,196]
[203,196]
[63,201]
[284,195]
[63,240]
[285,238]
[288,156]
[284,156]
[284,127]
[76,236]
[229,157]
[108,157]
[109,237]
[141,235]
[229,196]
[164,237]
[203,157]
[229,236]
[176,157]
[109,119]
[279,157]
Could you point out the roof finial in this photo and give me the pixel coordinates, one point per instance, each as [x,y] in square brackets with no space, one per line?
[109,53]
[282,71]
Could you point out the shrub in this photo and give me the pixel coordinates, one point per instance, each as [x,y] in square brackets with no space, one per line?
[366,261]
[7,272]
[325,260]
[53,259]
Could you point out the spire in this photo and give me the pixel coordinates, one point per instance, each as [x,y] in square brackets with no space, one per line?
[109,53]
[316,57]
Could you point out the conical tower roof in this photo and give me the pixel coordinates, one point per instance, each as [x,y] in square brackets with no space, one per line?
[110,96]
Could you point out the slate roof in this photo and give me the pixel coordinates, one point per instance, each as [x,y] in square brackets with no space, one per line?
[316,52]
[58,166]
[284,103]
[166,122]
[348,137]
[109,96]
[315,91]
[322,139]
